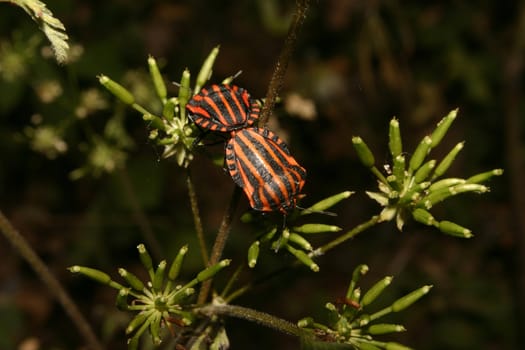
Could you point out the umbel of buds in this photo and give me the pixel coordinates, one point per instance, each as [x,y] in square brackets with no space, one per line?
[351,320]
[411,187]
[169,127]
[160,303]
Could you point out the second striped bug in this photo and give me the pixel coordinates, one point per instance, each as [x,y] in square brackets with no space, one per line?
[261,164]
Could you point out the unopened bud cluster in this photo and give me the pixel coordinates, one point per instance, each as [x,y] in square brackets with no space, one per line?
[159,303]
[411,187]
[293,238]
[170,127]
[352,322]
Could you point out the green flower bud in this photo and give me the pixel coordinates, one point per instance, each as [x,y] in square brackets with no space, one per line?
[396,346]
[363,152]
[442,127]
[327,203]
[212,270]
[154,121]
[154,329]
[253,254]
[133,343]
[330,307]
[407,300]
[133,281]
[448,160]
[153,134]
[206,69]
[394,139]
[445,183]
[359,271]
[305,322]
[385,328]
[316,228]
[137,321]
[122,299]
[424,171]
[247,217]
[158,82]
[300,241]
[116,89]
[420,154]
[168,110]
[454,229]
[184,94]
[158,278]
[398,170]
[146,259]
[482,177]
[424,217]
[94,274]
[304,258]
[174,271]
[376,290]
[440,195]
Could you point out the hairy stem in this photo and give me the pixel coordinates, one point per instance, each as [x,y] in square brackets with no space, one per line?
[220,242]
[139,216]
[276,82]
[251,315]
[24,249]
[197,219]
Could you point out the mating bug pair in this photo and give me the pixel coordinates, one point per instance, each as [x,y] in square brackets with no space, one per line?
[257,160]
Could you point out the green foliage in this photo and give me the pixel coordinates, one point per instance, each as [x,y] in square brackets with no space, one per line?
[50,25]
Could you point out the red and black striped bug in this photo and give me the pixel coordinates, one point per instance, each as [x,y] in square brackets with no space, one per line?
[260,162]
[223,108]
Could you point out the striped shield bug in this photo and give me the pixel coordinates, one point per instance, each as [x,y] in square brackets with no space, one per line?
[223,108]
[261,164]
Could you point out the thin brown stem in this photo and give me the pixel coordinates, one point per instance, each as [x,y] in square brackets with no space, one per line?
[139,216]
[276,82]
[24,249]
[220,242]
[197,219]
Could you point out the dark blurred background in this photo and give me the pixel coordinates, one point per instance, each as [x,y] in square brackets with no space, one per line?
[358,63]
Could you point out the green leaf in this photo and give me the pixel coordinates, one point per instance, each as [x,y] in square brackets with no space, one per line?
[50,25]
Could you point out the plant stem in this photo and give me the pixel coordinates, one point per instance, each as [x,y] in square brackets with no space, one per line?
[197,219]
[140,218]
[350,234]
[261,318]
[24,249]
[220,242]
[276,82]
